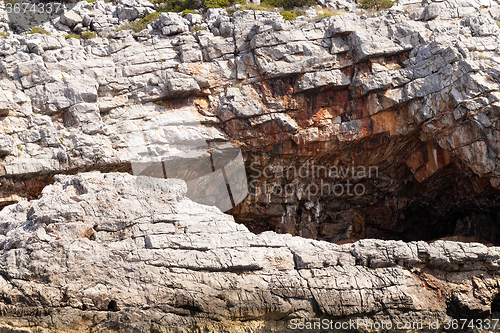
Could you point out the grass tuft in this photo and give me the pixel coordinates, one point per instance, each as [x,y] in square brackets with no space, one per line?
[72,36]
[38,30]
[290,15]
[188,11]
[88,35]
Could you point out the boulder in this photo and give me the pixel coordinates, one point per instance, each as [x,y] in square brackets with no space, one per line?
[70,18]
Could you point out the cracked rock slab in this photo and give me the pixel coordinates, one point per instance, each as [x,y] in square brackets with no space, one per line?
[137,247]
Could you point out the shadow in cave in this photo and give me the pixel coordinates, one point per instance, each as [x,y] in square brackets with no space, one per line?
[452,204]
[456,225]
[495,305]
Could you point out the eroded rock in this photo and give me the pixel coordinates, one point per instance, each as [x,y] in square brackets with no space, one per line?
[136,253]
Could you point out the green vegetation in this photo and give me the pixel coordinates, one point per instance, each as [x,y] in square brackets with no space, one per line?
[188,6]
[376,4]
[498,23]
[263,8]
[88,35]
[19,147]
[38,30]
[72,36]
[4,34]
[178,5]
[216,3]
[188,11]
[90,1]
[290,14]
[288,4]
[197,28]
[139,24]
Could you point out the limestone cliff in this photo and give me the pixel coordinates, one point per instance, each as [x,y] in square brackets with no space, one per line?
[354,126]
[411,94]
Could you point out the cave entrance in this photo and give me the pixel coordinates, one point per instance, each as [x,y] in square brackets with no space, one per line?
[495,305]
[457,225]
[452,204]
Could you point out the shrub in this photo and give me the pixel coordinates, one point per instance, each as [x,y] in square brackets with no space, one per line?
[38,30]
[376,4]
[179,5]
[197,28]
[288,4]
[150,18]
[290,14]
[139,24]
[4,34]
[88,35]
[188,11]
[216,3]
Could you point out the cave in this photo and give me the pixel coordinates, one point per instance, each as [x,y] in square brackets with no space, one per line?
[495,306]
[113,306]
[451,204]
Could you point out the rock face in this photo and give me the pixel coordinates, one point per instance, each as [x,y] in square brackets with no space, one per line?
[383,125]
[348,125]
[114,251]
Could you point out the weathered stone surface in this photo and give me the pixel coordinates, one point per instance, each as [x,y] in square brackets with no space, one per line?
[6,145]
[133,9]
[71,19]
[334,79]
[173,24]
[138,251]
[336,91]
[412,98]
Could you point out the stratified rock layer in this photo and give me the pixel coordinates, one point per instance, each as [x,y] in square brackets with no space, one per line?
[413,94]
[114,251]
